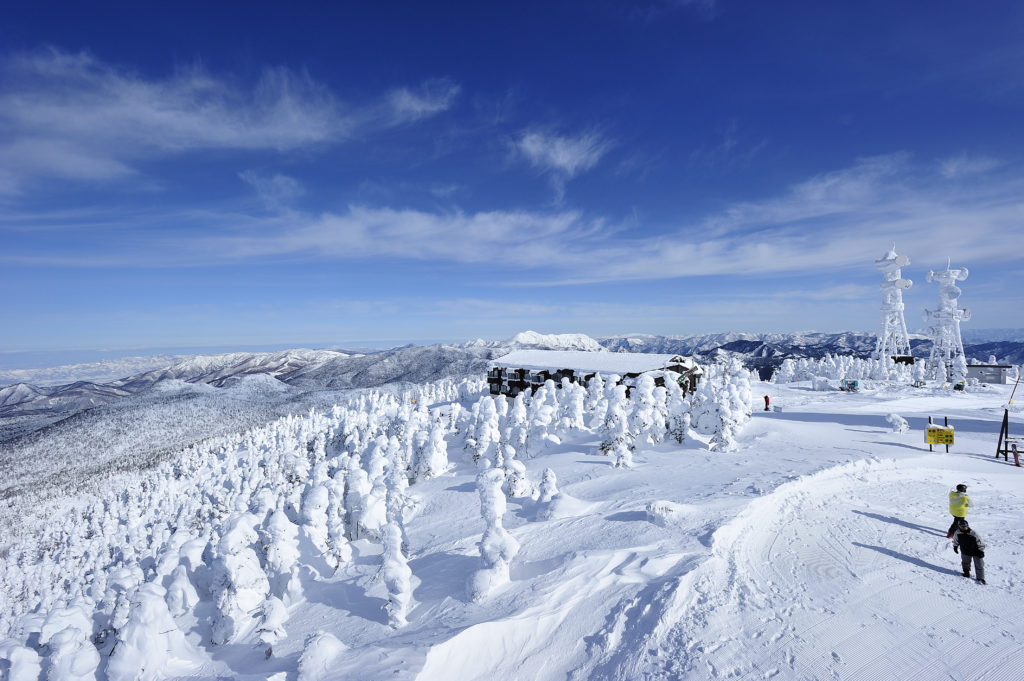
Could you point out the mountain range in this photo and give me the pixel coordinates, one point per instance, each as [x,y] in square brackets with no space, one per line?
[24,406]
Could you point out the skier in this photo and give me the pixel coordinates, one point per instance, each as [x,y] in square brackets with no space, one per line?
[766,403]
[973,547]
[958,503]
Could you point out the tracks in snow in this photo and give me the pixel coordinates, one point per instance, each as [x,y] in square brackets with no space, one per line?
[830,576]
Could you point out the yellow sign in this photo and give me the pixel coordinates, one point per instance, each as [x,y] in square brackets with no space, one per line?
[938,436]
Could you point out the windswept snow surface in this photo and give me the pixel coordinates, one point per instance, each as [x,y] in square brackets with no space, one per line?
[815,550]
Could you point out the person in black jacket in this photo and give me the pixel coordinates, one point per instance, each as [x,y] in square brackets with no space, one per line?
[970,546]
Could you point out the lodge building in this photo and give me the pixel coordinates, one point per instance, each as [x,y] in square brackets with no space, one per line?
[524,370]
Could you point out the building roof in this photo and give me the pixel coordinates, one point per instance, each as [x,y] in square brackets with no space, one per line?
[604,362]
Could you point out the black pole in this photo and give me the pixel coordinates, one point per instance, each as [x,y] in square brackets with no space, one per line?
[929,444]
[945,421]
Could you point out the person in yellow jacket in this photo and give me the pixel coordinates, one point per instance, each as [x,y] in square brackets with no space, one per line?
[958,503]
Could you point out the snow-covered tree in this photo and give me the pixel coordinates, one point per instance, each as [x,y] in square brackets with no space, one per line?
[314,519]
[394,562]
[181,594]
[497,547]
[273,615]
[646,420]
[548,486]
[616,423]
[151,641]
[318,656]
[67,632]
[281,547]
[516,483]
[23,663]
[678,412]
[596,404]
[239,585]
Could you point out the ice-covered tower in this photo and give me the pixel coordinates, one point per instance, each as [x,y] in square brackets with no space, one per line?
[947,344]
[892,338]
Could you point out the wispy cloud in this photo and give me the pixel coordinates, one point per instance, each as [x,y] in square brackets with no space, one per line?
[275,191]
[841,219]
[561,157]
[567,156]
[73,116]
[958,166]
[432,97]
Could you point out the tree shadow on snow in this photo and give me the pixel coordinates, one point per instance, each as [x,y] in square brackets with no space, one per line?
[910,559]
[443,575]
[904,523]
[627,516]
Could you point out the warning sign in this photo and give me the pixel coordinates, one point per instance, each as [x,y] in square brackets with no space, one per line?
[938,436]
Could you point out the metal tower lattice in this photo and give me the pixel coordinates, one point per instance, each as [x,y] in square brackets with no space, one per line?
[947,343]
[892,338]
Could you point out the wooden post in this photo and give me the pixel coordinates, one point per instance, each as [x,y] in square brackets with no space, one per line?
[1002,447]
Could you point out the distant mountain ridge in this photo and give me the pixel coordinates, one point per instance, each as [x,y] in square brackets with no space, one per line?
[312,370]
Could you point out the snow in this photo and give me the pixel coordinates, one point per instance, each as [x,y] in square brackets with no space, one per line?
[814,549]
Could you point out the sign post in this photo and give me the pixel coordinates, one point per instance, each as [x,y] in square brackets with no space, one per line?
[938,435]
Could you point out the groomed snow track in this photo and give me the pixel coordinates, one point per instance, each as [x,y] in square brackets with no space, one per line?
[829,577]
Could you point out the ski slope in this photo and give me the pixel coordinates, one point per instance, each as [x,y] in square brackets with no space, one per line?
[816,550]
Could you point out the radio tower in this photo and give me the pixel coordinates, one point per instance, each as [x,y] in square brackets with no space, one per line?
[893,339]
[947,344]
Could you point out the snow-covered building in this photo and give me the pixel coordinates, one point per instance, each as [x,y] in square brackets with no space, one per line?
[529,369]
[992,373]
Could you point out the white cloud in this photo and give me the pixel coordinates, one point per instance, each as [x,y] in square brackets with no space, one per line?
[959,166]
[838,220]
[275,191]
[72,116]
[432,97]
[565,156]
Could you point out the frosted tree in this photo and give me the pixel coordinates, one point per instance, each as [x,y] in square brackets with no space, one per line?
[23,663]
[706,419]
[959,370]
[516,485]
[281,547]
[238,583]
[314,519]
[571,410]
[596,402]
[151,642]
[786,373]
[678,419]
[947,343]
[273,615]
[497,547]
[318,656]
[740,394]
[338,549]
[357,491]
[616,423]
[73,657]
[647,421]
[181,594]
[394,563]
[434,460]
[548,486]
[487,433]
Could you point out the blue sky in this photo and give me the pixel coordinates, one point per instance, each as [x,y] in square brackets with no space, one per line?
[194,175]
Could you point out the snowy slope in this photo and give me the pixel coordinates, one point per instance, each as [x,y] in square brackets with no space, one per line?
[816,550]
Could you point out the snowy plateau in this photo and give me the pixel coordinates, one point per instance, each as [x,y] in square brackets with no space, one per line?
[315,514]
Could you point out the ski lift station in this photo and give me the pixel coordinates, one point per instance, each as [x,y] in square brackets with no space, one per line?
[992,373]
[529,369]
